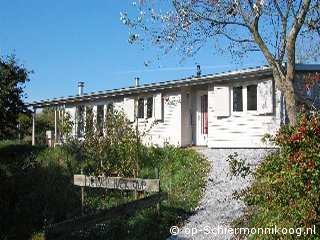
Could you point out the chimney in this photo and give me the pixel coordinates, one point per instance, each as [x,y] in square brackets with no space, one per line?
[80,88]
[137,79]
[198,70]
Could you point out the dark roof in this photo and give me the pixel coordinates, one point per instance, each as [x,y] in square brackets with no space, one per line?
[248,73]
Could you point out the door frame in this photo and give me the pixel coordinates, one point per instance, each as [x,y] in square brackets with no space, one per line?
[201,119]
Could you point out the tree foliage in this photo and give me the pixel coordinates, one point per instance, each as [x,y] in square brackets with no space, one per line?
[273,27]
[13,78]
[44,122]
[113,151]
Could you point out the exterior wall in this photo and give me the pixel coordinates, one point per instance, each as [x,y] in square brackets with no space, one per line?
[155,132]
[242,129]
[168,130]
[186,125]
[72,109]
[176,123]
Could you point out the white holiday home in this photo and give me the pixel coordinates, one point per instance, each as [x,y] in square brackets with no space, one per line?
[226,110]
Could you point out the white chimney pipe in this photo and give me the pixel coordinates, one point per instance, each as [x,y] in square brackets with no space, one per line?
[80,88]
[137,81]
[198,70]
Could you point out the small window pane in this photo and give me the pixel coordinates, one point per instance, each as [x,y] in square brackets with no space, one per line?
[252,97]
[237,99]
[149,107]
[141,108]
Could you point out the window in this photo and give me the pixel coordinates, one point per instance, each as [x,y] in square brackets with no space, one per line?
[80,120]
[89,119]
[141,108]
[252,97]
[100,121]
[204,114]
[149,107]
[237,99]
[110,108]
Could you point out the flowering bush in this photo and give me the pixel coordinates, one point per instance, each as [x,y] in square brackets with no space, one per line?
[285,192]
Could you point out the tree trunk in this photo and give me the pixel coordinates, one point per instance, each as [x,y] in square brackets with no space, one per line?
[291,107]
[285,82]
[290,93]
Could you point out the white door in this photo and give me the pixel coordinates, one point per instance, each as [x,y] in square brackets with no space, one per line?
[202,118]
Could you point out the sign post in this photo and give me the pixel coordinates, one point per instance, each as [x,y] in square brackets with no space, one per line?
[82,197]
[157,176]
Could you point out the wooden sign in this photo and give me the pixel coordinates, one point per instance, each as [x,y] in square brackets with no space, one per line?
[136,184]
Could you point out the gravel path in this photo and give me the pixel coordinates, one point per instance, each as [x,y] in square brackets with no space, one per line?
[218,208]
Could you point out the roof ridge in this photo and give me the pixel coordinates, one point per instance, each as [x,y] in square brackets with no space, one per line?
[153,84]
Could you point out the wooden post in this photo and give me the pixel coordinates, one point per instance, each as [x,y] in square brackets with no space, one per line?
[82,197]
[34,127]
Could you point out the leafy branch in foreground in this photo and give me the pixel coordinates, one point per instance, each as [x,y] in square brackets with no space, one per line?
[275,29]
[238,166]
[285,191]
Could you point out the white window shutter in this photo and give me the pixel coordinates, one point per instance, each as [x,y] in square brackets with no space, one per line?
[158,106]
[221,101]
[128,108]
[265,97]
[211,97]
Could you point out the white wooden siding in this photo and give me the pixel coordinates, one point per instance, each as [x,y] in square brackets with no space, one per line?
[186,128]
[244,129]
[157,107]
[265,97]
[128,108]
[221,95]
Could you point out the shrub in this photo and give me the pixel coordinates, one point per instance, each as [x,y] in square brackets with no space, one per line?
[286,188]
[183,174]
[42,192]
[114,152]
[33,191]
[238,166]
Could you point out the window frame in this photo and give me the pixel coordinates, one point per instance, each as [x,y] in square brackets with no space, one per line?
[242,99]
[139,111]
[147,107]
[247,99]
